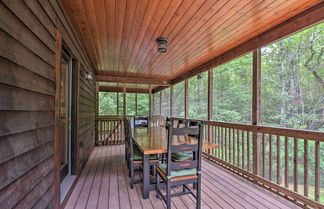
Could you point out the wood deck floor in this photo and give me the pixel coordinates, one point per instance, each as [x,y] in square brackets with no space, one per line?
[104,184]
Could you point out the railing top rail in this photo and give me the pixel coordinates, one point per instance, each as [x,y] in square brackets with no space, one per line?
[289,132]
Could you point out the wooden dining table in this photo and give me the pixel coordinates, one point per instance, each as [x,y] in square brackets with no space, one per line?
[154,140]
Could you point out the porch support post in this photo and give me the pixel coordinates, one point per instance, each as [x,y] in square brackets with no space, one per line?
[186,98]
[117,103]
[210,94]
[135,103]
[256,109]
[124,101]
[160,103]
[97,112]
[171,101]
[150,101]
[210,103]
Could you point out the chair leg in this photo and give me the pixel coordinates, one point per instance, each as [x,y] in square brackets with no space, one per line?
[198,189]
[157,185]
[132,175]
[168,194]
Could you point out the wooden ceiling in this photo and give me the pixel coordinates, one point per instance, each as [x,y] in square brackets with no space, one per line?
[119,35]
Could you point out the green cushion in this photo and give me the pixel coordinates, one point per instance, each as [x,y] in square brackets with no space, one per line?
[139,156]
[183,172]
[182,155]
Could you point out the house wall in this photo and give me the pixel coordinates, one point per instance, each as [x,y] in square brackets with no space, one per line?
[27,101]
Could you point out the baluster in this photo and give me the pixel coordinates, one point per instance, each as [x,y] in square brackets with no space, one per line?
[248,150]
[263,155]
[295,165]
[238,147]
[222,138]
[218,138]
[243,150]
[233,142]
[286,162]
[270,157]
[214,141]
[278,159]
[100,132]
[317,170]
[225,143]
[229,146]
[306,167]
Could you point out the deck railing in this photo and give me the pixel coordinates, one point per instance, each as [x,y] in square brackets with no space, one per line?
[110,130]
[280,159]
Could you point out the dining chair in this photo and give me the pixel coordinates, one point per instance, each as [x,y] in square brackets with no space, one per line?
[194,123]
[141,121]
[176,173]
[135,157]
[182,123]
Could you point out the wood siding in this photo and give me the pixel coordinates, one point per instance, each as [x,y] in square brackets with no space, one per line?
[27,104]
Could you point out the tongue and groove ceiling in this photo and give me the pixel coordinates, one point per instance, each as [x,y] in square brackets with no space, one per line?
[119,35]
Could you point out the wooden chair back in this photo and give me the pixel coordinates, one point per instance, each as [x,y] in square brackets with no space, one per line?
[196,148]
[183,122]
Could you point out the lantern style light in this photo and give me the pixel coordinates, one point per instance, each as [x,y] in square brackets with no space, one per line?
[162,44]
[199,76]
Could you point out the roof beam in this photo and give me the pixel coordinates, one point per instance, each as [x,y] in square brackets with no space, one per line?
[132,80]
[292,25]
[121,89]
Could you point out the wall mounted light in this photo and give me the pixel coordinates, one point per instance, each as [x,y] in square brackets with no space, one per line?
[87,75]
[162,44]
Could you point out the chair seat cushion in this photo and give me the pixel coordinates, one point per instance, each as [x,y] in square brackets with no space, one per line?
[182,155]
[139,156]
[178,173]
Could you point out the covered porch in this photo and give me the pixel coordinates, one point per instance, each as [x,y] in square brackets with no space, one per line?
[250,72]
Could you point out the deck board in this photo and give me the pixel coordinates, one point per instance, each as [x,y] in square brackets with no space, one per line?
[104,183]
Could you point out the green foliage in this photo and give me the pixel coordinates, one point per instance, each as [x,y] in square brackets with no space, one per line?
[107,103]
[166,102]
[198,96]
[233,90]
[178,100]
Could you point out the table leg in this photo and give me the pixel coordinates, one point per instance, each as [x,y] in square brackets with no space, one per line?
[146,177]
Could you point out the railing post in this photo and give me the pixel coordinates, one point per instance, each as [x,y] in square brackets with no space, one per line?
[256,109]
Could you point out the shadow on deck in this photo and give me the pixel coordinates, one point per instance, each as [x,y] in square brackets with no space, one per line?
[104,184]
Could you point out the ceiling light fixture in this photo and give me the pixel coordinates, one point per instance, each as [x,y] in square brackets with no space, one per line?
[162,44]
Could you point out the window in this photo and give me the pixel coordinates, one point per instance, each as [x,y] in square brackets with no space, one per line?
[142,104]
[107,103]
[166,102]
[198,96]
[292,81]
[178,100]
[233,91]
[156,103]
